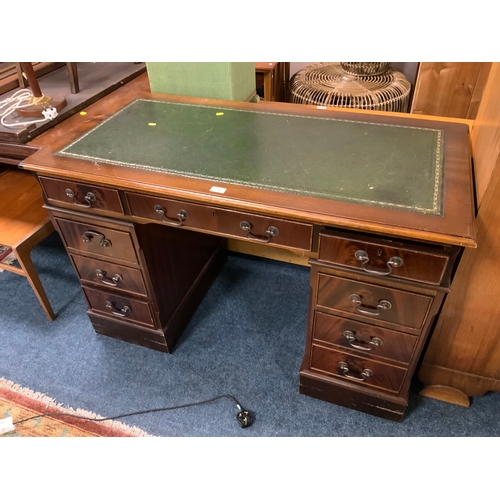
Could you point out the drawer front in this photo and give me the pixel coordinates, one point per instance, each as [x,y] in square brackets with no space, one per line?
[361,371]
[119,307]
[363,338]
[98,239]
[418,263]
[81,196]
[109,275]
[372,302]
[224,222]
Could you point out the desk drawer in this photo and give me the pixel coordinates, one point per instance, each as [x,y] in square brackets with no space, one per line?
[355,369]
[372,302]
[379,257]
[363,339]
[119,307]
[83,197]
[223,222]
[109,275]
[97,239]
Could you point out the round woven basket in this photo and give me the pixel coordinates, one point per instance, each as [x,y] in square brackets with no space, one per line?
[327,84]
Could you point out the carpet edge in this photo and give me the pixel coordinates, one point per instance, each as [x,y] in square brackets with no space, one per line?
[52,404]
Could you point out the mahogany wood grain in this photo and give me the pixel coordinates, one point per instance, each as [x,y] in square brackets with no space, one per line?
[223,222]
[130,279]
[176,260]
[13,154]
[351,395]
[133,333]
[121,307]
[178,265]
[394,346]
[385,376]
[454,227]
[408,309]
[185,264]
[119,243]
[103,199]
[421,263]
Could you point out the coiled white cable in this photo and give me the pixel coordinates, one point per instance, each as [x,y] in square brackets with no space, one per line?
[22,99]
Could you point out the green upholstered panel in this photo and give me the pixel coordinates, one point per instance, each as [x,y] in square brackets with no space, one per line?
[233,81]
[391,166]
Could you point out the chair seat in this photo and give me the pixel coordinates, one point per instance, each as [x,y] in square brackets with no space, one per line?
[23,224]
[21,212]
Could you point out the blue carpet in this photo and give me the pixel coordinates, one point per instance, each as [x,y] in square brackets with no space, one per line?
[246,339]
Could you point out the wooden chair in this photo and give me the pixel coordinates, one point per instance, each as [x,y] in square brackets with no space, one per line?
[24,224]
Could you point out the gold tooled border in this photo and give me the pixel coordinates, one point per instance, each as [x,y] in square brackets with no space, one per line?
[438,161]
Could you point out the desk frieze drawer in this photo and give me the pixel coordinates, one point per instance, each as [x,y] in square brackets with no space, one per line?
[362,371]
[373,303]
[118,307]
[97,239]
[82,197]
[257,228]
[109,275]
[363,339]
[379,257]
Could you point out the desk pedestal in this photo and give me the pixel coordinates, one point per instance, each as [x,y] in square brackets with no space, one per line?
[373,304]
[142,282]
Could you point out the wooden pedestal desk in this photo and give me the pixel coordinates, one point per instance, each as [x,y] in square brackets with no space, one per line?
[145,190]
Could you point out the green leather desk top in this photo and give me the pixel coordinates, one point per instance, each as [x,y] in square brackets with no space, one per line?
[391,166]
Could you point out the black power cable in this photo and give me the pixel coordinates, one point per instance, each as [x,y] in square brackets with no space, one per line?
[245,417]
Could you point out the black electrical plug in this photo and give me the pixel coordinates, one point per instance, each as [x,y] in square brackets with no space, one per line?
[245,417]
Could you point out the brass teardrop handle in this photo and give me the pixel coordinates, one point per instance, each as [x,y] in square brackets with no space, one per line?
[391,263]
[90,198]
[110,282]
[88,235]
[363,346]
[383,305]
[270,232]
[118,312]
[181,216]
[344,368]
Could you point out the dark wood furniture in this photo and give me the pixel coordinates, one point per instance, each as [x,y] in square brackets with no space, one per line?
[80,88]
[146,189]
[273,76]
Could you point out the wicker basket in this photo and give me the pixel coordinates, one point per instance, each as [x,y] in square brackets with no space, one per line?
[365,68]
[327,84]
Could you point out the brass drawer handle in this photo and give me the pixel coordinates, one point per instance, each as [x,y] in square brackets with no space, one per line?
[270,232]
[89,198]
[118,312]
[383,305]
[351,337]
[344,368]
[110,282]
[391,263]
[181,216]
[88,235]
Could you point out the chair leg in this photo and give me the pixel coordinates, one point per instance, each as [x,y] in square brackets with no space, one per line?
[74,82]
[24,259]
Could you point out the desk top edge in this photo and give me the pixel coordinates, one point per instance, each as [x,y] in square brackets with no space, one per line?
[44,162]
